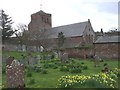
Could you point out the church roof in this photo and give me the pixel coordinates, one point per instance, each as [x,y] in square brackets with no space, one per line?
[108,39]
[70,30]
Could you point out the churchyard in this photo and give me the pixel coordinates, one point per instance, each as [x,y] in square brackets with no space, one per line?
[46,70]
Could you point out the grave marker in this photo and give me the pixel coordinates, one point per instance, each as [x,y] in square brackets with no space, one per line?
[15,75]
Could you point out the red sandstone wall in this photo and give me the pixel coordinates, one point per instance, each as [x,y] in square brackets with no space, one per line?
[80,53]
[107,50]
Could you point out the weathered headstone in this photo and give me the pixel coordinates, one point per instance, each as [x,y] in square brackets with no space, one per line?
[23,48]
[15,75]
[55,54]
[65,57]
[35,60]
[38,59]
[19,48]
[97,60]
[49,57]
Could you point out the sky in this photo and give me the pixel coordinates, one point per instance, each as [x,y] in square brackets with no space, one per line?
[102,13]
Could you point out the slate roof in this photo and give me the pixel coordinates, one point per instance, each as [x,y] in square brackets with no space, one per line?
[70,30]
[108,39]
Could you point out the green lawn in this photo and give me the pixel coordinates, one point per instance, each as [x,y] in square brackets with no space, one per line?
[50,80]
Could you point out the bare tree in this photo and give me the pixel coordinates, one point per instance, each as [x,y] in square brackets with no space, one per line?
[42,38]
[22,34]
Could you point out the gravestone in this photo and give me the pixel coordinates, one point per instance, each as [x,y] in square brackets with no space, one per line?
[15,75]
[23,59]
[97,60]
[38,59]
[35,60]
[56,54]
[31,63]
[23,48]
[30,59]
[64,57]
[19,48]
[49,57]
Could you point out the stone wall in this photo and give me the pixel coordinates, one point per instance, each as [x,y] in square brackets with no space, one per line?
[80,53]
[77,39]
[107,50]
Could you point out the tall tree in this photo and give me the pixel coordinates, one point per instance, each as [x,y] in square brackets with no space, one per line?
[61,39]
[5,26]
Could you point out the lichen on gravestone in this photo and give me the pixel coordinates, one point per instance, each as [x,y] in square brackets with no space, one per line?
[15,74]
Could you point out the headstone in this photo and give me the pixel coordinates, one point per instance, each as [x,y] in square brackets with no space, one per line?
[96,60]
[19,48]
[15,75]
[55,54]
[31,63]
[38,59]
[35,60]
[23,59]
[65,57]
[49,57]
[23,48]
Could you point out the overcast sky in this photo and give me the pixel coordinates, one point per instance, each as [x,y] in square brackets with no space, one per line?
[102,13]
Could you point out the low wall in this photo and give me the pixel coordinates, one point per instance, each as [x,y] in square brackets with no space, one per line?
[107,50]
[80,53]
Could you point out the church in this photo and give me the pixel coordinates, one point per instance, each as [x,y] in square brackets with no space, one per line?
[76,34]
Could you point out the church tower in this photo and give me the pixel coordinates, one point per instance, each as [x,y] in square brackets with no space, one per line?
[40,21]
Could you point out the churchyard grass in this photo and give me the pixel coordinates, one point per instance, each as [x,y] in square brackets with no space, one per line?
[50,79]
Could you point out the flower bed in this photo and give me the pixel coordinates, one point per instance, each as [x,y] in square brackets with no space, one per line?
[101,80]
